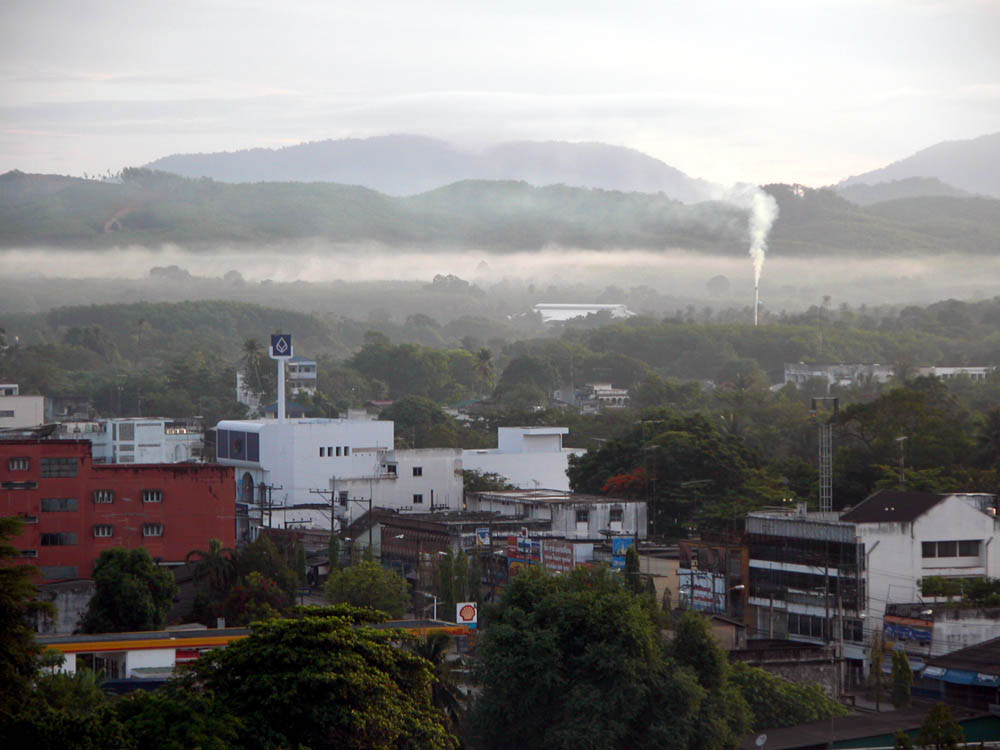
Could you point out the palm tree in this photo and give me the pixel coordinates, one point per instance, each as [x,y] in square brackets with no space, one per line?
[216,565]
[253,363]
[445,693]
[484,369]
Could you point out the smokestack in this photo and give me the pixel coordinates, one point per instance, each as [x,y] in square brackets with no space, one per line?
[756,302]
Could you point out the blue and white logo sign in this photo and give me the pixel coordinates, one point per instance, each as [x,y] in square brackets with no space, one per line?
[281,346]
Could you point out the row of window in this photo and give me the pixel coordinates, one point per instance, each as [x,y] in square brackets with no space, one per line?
[328,451]
[101,530]
[963,548]
[817,627]
[108,496]
[51,467]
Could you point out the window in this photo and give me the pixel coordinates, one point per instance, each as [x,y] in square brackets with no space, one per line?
[583,516]
[322,452]
[126,431]
[947,549]
[29,553]
[342,497]
[104,529]
[58,467]
[152,529]
[64,539]
[418,471]
[968,548]
[29,519]
[418,499]
[18,485]
[390,469]
[19,463]
[347,450]
[329,451]
[59,504]
[152,496]
[6,413]
[104,496]
[59,571]
[928,549]
[617,515]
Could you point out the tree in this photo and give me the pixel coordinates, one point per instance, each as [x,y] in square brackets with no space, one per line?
[18,649]
[724,715]
[368,584]
[445,694]
[131,592]
[876,679]
[776,702]
[177,717]
[261,556]
[421,423]
[325,681]
[902,679]
[940,731]
[474,480]
[901,741]
[215,566]
[576,660]
[256,598]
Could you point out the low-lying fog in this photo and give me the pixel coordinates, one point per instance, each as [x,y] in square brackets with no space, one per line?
[678,277]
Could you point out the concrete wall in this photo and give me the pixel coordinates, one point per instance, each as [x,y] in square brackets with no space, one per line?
[529,457]
[28,411]
[149,657]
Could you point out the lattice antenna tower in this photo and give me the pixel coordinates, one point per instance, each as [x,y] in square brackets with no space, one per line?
[825,424]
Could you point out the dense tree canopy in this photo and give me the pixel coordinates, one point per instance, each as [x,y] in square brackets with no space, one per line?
[368,584]
[131,592]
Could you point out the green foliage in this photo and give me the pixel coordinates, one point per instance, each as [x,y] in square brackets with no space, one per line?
[474,480]
[324,682]
[216,566]
[368,584]
[256,598]
[445,694]
[901,741]
[261,556]
[420,423]
[18,648]
[776,702]
[131,592]
[901,679]
[939,730]
[575,660]
[178,717]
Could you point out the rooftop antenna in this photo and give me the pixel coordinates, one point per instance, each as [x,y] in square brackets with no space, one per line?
[826,451]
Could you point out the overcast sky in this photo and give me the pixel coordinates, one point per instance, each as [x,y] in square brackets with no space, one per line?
[786,90]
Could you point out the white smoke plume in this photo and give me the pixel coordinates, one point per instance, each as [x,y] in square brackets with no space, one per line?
[763,213]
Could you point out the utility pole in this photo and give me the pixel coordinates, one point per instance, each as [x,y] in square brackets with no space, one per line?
[825,452]
[901,441]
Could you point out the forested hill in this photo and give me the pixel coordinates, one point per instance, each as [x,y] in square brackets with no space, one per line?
[151,208]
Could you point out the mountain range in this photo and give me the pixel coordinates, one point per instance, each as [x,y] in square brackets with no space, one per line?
[401,165]
[154,208]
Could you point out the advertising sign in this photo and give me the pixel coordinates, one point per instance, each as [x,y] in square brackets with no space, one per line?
[558,555]
[896,628]
[702,590]
[522,551]
[467,613]
[483,537]
[619,547]
[281,346]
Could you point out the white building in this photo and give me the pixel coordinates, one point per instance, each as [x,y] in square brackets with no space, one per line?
[570,515]
[18,411]
[528,457]
[842,375]
[301,375]
[947,373]
[291,471]
[143,440]
[559,312]
[815,576]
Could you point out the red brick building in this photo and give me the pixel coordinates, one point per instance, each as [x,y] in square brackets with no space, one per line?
[74,509]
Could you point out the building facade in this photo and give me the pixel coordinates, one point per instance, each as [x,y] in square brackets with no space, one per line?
[828,577]
[528,457]
[142,440]
[74,509]
[18,411]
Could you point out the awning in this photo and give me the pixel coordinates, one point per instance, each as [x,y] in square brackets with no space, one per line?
[934,673]
[988,680]
[959,677]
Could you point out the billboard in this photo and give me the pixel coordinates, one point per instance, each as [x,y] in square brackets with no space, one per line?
[467,613]
[896,628]
[558,555]
[702,590]
[619,547]
[522,551]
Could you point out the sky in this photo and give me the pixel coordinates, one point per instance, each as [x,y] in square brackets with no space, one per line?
[806,91]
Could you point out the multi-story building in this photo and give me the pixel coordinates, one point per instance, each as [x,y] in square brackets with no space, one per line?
[146,440]
[848,374]
[301,375]
[528,457]
[74,508]
[17,411]
[295,472]
[569,515]
[828,576]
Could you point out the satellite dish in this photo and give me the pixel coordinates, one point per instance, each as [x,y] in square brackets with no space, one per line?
[759,742]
